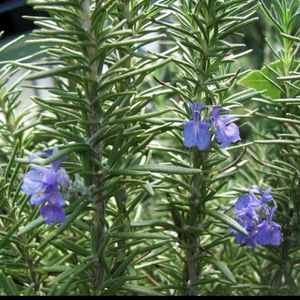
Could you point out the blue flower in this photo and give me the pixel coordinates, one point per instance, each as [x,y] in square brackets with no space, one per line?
[225,134]
[250,239]
[266,196]
[246,216]
[254,202]
[242,202]
[32,183]
[249,212]
[53,213]
[43,185]
[196,132]
[269,232]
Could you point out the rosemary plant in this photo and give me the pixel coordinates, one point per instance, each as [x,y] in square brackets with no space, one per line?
[157,161]
[202,32]
[96,115]
[278,132]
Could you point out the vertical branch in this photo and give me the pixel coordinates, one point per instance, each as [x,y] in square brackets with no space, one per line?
[95,125]
[192,238]
[196,219]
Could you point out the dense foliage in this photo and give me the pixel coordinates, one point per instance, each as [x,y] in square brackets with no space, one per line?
[164,158]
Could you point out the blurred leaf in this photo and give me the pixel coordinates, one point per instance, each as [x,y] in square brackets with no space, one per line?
[221,266]
[227,220]
[125,263]
[167,169]
[258,81]
[30,226]
[8,285]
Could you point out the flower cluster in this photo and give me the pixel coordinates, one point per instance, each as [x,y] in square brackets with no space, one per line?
[43,185]
[196,132]
[255,215]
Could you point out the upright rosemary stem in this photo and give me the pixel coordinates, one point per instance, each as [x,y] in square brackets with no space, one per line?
[195,220]
[95,125]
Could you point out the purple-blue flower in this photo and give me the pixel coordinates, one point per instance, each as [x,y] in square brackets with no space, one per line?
[268,232]
[242,202]
[53,213]
[43,185]
[266,196]
[250,212]
[225,133]
[246,216]
[249,239]
[254,201]
[196,132]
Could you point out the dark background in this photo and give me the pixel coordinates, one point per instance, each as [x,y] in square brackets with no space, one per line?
[11,21]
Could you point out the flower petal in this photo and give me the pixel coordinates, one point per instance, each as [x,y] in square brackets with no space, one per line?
[232,132]
[49,175]
[215,113]
[57,199]
[52,213]
[249,239]
[188,135]
[268,234]
[202,135]
[32,182]
[38,198]
[196,109]
[242,201]
[63,178]
[266,196]
[226,134]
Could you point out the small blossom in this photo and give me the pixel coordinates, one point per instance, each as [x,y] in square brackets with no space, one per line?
[254,202]
[43,185]
[268,232]
[196,132]
[250,239]
[249,212]
[266,196]
[225,133]
[242,202]
[32,183]
[53,213]
[62,178]
[246,216]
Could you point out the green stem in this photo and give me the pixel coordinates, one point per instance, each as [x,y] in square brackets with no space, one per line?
[192,271]
[196,212]
[95,125]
